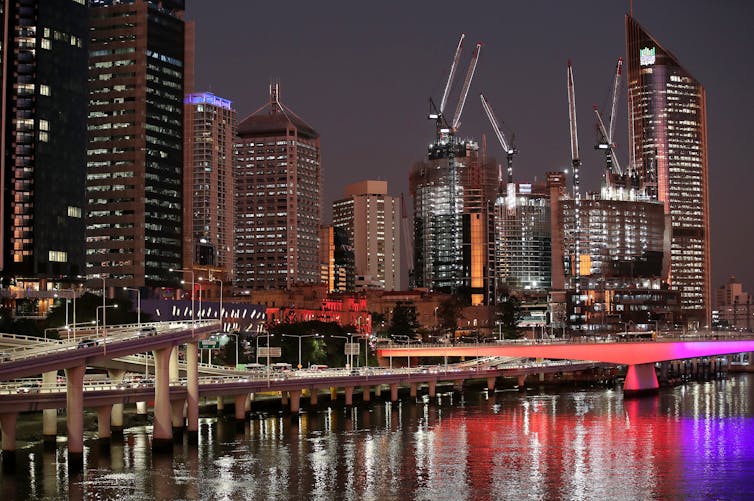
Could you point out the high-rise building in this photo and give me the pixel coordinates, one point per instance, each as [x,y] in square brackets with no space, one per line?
[278,184]
[335,258]
[43,121]
[733,305]
[371,221]
[668,136]
[139,73]
[208,182]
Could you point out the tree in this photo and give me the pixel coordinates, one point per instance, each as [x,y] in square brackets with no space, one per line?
[509,315]
[403,321]
[448,312]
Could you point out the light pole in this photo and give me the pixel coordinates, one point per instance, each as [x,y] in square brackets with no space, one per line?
[299,343]
[220,309]
[193,318]
[138,301]
[104,323]
[104,293]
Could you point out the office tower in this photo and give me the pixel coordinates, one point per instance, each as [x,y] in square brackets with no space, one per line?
[138,74]
[44,80]
[335,258]
[208,182]
[733,305]
[522,240]
[278,185]
[668,136]
[370,219]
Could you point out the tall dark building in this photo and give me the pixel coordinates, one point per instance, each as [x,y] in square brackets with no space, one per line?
[668,129]
[139,71]
[278,186]
[44,72]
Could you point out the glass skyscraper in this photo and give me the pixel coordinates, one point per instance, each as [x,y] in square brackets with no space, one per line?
[668,134]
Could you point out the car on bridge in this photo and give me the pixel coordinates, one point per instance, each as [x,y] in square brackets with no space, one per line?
[149,330]
[30,387]
[86,343]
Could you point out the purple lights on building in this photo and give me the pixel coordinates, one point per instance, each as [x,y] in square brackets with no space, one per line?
[207,98]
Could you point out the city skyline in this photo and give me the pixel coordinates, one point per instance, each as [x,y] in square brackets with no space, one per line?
[368,83]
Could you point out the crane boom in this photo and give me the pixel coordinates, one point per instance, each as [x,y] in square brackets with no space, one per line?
[575,162]
[509,149]
[465,88]
[614,103]
[452,73]
[614,166]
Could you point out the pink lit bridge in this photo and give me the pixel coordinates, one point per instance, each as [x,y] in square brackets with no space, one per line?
[639,356]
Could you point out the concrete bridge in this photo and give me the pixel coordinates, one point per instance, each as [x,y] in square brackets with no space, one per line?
[639,356]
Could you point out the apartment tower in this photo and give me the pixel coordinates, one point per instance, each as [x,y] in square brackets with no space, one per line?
[668,136]
[278,185]
[139,72]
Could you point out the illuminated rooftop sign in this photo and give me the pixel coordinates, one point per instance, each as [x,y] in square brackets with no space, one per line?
[207,98]
[647,56]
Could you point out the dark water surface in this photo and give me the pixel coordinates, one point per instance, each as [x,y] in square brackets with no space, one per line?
[689,442]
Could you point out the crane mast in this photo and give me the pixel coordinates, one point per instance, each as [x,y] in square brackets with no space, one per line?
[452,73]
[576,163]
[465,89]
[509,149]
[606,141]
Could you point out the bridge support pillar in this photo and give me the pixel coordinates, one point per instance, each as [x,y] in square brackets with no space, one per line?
[8,424]
[177,419]
[521,381]
[664,366]
[313,394]
[174,373]
[349,395]
[378,391]
[74,378]
[393,392]
[458,385]
[49,416]
[141,409]
[333,393]
[249,401]
[240,407]
[104,414]
[412,390]
[192,391]
[366,393]
[162,434]
[283,398]
[640,378]
[432,388]
[295,401]
[116,416]
[220,404]
[491,383]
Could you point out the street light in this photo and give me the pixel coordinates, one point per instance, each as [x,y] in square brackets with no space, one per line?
[138,299]
[349,355]
[104,323]
[193,318]
[220,310]
[299,343]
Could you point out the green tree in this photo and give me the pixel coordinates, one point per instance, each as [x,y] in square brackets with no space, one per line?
[509,315]
[403,321]
[448,312]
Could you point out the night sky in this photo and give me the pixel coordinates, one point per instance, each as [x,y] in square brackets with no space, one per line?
[361,74]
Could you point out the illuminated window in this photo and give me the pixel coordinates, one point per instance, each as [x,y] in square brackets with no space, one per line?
[58,256]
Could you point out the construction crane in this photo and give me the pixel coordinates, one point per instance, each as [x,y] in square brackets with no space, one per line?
[576,164]
[465,89]
[408,240]
[605,141]
[509,149]
[438,114]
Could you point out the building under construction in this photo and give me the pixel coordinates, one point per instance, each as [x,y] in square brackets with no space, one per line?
[453,193]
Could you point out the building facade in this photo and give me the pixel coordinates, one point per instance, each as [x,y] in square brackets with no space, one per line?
[733,305]
[668,138]
[208,186]
[370,219]
[278,185]
[43,112]
[139,72]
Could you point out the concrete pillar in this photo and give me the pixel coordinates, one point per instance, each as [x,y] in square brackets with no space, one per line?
[541,376]
[249,400]
[664,370]
[349,395]
[192,391]
[393,392]
[104,414]
[177,419]
[141,408]
[432,387]
[491,383]
[333,393]
[378,391]
[175,375]
[458,385]
[639,378]
[412,390]
[116,416]
[283,398]
[162,434]
[240,410]
[8,424]
[50,416]
[74,377]
[295,401]
[220,404]
[366,393]
[313,397]
[521,381]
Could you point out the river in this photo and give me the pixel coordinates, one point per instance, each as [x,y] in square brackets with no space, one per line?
[694,441]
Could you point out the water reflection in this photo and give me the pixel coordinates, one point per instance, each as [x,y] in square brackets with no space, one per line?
[685,442]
